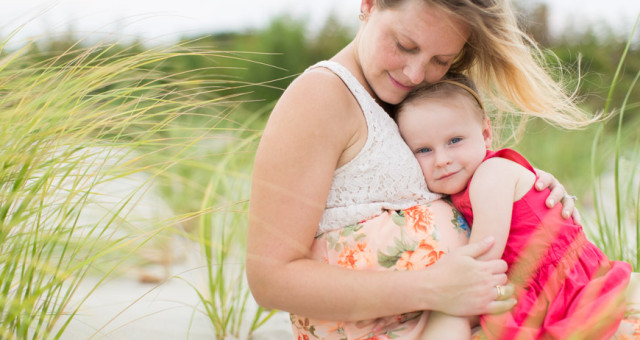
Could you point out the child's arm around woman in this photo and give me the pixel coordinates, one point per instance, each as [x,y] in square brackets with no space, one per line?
[496,184]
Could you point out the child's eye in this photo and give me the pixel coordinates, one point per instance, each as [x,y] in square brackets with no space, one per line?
[455,140]
[423,150]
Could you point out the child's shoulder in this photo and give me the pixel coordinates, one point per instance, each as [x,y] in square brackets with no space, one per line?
[498,171]
[500,165]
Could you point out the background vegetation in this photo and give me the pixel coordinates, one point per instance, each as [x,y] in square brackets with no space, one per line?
[187,119]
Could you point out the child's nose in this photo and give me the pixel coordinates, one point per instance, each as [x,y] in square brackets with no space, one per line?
[442,158]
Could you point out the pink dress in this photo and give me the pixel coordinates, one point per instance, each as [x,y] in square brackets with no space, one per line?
[565,286]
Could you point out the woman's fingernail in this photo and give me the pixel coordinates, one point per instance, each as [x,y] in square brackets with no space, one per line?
[539,186]
[551,202]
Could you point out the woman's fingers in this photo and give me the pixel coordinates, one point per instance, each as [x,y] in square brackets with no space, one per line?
[504,292]
[568,206]
[558,194]
[546,180]
[503,301]
[500,306]
[476,249]
[576,216]
[500,278]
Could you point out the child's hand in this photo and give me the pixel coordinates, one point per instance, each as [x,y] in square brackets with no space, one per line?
[558,194]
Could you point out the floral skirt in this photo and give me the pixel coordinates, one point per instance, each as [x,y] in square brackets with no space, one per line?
[408,239]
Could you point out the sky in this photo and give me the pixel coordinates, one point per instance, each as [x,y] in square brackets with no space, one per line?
[167,20]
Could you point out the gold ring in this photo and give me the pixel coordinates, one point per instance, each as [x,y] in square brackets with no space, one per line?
[500,292]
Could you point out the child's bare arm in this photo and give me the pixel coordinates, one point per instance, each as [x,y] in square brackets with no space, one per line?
[496,184]
[444,326]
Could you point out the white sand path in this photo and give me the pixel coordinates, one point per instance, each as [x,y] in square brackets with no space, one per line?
[124,308]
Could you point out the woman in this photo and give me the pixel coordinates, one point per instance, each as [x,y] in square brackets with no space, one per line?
[330,157]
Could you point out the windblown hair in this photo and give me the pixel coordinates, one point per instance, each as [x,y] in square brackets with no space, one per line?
[508,66]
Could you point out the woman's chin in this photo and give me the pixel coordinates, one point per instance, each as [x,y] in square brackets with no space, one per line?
[392,98]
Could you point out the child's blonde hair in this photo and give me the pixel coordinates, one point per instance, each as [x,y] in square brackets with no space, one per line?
[508,66]
[451,83]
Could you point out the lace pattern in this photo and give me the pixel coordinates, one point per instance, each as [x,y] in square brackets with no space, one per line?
[383,175]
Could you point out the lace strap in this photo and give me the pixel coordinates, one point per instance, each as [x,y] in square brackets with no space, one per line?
[362,96]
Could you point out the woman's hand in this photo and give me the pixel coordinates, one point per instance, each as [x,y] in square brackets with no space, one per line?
[558,194]
[467,286]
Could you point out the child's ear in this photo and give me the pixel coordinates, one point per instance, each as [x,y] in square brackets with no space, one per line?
[487,133]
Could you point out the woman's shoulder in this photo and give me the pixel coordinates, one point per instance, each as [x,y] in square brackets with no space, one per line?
[321,97]
[320,88]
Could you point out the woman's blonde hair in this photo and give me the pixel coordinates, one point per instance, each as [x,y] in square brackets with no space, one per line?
[508,66]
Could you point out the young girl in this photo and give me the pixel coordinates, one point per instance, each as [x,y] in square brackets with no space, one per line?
[565,286]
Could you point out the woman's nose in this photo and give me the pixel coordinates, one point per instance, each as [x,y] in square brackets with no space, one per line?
[415,72]
[419,73]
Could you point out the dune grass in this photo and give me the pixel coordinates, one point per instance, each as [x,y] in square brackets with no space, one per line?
[617,211]
[73,126]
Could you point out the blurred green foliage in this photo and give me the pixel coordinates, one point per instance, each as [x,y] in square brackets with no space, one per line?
[266,60]
[253,67]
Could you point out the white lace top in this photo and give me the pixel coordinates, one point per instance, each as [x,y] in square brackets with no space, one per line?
[383,175]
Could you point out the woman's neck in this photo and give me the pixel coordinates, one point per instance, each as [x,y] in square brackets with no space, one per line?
[348,57]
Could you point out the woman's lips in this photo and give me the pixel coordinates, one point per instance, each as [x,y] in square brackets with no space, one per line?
[399,84]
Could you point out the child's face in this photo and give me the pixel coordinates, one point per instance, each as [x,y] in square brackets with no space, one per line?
[448,137]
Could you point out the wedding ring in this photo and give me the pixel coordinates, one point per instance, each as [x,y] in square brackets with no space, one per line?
[500,292]
[574,198]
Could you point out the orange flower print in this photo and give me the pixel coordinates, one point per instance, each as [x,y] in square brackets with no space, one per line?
[431,245]
[379,337]
[303,337]
[359,257]
[424,255]
[419,219]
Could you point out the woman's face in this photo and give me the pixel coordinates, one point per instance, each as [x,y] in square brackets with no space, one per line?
[403,47]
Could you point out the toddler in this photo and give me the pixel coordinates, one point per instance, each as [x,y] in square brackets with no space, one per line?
[566,288]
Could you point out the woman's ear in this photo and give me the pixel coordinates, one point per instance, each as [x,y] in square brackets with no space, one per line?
[487,133]
[366,6]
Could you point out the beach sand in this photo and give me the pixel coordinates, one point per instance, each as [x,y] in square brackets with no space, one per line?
[124,308]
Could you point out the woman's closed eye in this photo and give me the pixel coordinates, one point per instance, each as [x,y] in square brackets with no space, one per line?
[404,48]
[441,62]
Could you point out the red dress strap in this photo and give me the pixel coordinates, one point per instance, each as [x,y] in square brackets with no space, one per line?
[511,155]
